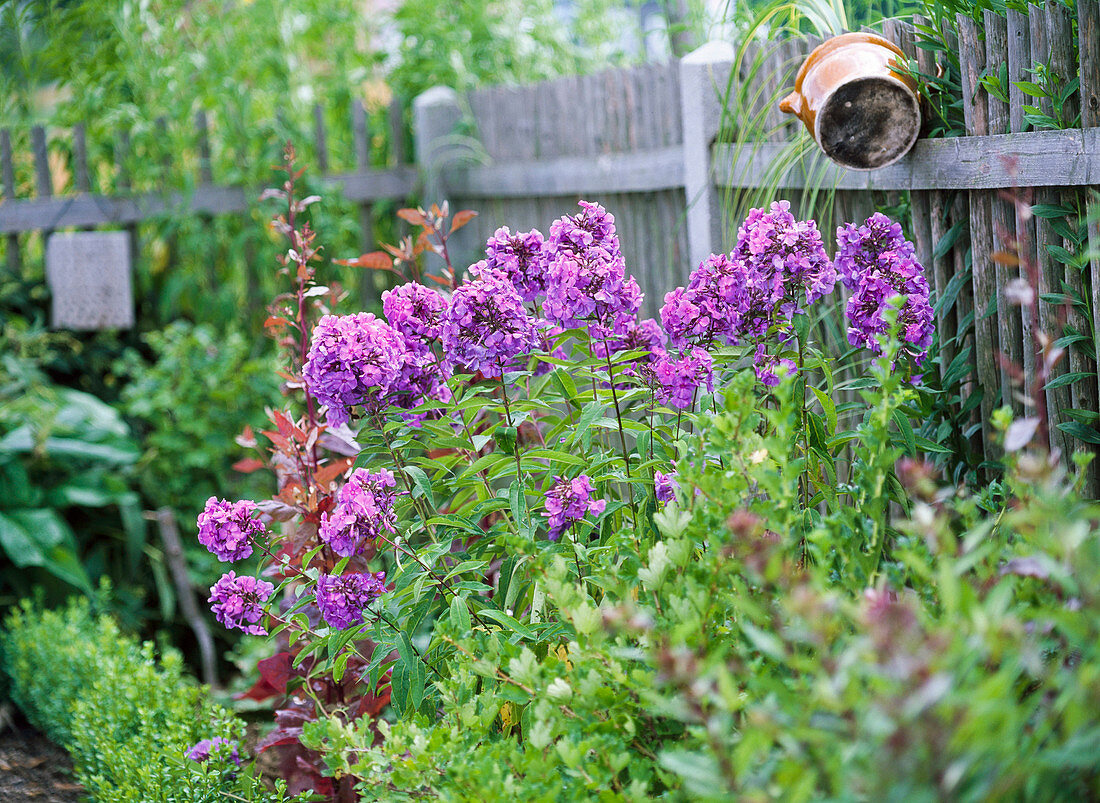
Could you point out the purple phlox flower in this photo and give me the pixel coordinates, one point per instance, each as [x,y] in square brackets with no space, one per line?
[218,746]
[784,260]
[343,598]
[591,228]
[586,281]
[364,512]
[225,528]
[415,311]
[711,306]
[770,368]
[665,485]
[238,602]
[486,327]
[876,263]
[423,376]
[590,288]
[567,502]
[521,257]
[353,360]
[677,379]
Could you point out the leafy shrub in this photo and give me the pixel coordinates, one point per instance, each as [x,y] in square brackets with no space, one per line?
[127,719]
[69,509]
[200,382]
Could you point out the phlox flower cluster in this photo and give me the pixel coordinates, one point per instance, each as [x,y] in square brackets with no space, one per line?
[774,244]
[522,257]
[225,528]
[343,598]
[486,327]
[876,263]
[218,746]
[710,307]
[665,485]
[568,501]
[354,360]
[592,227]
[676,379]
[364,511]
[587,282]
[415,311]
[238,602]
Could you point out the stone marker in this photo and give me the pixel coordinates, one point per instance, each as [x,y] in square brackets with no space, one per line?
[88,274]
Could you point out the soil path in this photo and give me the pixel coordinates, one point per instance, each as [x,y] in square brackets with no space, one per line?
[33,768]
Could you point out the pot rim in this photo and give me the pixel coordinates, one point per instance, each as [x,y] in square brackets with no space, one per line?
[913,99]
[835,42]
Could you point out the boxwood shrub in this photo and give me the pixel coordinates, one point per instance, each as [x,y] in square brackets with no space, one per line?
[127,718]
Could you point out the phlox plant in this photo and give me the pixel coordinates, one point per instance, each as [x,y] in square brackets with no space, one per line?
[508,460]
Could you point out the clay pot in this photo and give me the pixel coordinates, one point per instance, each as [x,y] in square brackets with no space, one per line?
[855,103]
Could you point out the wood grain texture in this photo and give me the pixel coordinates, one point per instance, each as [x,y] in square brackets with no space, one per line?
[972,61]
[1032,159]
[13,257]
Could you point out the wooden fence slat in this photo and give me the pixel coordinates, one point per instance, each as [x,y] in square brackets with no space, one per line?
[319,138]
[1088,41]
[395,114]
[1050,315]
[976,114]
[360,136]
[1083,393]
[1018,51]
[7,174]
[81,180]
[1003,222]
[202,132]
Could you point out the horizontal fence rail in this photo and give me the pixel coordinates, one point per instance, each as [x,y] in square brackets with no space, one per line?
[1068,158]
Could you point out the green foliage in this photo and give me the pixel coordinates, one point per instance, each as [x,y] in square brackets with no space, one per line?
[462,45]
[69,509]
[126,718]
[909,654]
[200,384]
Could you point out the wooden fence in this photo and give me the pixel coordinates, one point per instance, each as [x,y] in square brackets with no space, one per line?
[649,143]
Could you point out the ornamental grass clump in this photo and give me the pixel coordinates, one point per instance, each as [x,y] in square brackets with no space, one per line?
[613,557]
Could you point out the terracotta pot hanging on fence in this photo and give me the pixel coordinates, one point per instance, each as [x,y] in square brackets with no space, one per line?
[854,101]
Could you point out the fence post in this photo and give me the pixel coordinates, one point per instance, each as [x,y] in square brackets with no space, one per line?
[701,77]
[436,112]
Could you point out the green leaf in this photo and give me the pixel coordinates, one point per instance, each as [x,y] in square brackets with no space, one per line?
[1032,89]
[828,406]
[508,622]
[340,666]
[417,674]
[460,615]
[1080,431]
[422,486]
[1068,379]
[767,643]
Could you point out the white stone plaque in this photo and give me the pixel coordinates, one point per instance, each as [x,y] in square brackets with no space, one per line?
[88,273]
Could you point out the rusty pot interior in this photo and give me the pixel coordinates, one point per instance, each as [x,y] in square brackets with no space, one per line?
[867,123]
